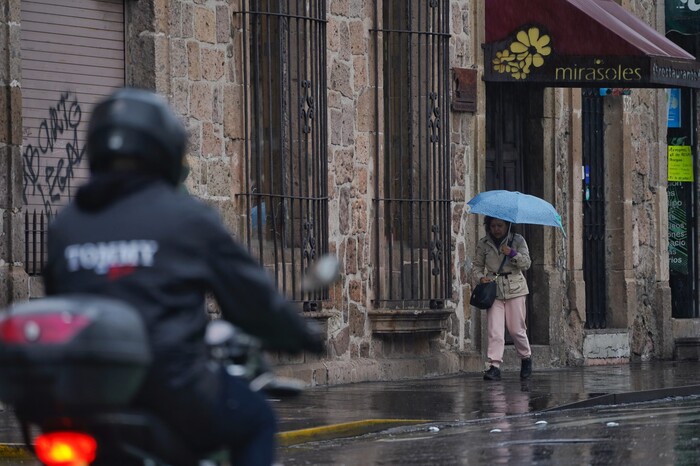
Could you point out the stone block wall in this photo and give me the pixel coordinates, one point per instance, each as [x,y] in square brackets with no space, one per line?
[191,51]
[196,57]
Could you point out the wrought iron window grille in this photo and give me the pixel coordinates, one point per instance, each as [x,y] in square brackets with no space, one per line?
[412,207]
[285,224]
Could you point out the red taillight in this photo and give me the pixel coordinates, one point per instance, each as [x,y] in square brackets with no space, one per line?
[41,328]
[65,449]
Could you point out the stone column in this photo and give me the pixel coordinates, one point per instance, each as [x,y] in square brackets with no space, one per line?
[574,220]
[619,222]
[13,278]
[140,44]
[662,304]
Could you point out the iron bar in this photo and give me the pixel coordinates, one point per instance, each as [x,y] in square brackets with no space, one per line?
[594,257]
[35,225]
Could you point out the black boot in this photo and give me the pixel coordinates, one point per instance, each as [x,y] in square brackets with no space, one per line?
[494,373]
[525,368]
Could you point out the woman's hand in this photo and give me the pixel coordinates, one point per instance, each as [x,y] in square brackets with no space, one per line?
[485,279]
[508,251]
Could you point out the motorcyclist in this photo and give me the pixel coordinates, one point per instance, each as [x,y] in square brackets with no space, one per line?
[132,234]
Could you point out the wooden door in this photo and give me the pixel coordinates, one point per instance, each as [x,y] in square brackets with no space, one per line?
[506,111]
[504,137]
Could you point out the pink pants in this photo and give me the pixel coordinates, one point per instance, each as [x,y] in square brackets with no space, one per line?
[507,313]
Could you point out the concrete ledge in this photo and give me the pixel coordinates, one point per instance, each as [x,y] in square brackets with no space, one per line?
[686,349]
[609,346]
[374,370]
[685,328]
[409,321]
[605,361]
[385,370]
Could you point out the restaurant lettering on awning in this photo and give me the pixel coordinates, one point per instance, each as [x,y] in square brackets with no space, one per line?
[580,43]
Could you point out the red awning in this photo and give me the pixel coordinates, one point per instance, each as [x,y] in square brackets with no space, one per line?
[580,43]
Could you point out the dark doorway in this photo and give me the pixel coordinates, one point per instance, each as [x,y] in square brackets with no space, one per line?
[594,266]
[506,123]
[681,203]
[682,198]
[505,120]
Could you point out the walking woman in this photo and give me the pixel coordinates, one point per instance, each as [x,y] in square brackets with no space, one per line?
[509,308]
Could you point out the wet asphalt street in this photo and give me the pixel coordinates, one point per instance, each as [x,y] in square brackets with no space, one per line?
[463,411]
[468,397]
[456,417]
[656,433]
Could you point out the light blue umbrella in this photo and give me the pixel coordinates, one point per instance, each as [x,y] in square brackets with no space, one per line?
[515,207]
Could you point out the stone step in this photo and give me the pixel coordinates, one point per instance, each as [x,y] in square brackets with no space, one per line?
[686,349]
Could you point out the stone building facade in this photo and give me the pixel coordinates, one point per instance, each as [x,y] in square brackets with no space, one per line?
[401,307]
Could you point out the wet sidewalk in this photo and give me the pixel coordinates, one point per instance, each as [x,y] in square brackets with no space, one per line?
[324,412]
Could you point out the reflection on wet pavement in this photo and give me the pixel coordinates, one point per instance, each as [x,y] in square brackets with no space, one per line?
[656,433]
[465,409]
[467,396]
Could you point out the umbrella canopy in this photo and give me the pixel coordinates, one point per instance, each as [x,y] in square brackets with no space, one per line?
[515,207]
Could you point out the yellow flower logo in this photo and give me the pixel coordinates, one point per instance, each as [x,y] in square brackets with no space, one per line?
[528,50]
[503,61]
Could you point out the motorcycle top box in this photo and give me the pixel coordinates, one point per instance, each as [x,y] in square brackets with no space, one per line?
[70,351]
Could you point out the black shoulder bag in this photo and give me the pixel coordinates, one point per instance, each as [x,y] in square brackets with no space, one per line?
[484,294]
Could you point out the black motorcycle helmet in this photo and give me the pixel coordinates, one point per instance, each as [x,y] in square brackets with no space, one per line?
[135,129]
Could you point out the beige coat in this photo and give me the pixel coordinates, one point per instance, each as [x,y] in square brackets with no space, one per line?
[488,259]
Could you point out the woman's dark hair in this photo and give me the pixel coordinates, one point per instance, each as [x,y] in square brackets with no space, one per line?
[487,226]
[487,222]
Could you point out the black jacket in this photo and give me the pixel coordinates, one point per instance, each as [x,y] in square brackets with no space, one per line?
[161,250]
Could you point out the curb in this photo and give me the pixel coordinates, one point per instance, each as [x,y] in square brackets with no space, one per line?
[630,397]
[345,429]
[293,437]
[14,451]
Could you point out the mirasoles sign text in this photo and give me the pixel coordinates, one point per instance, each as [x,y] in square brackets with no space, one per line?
[598,72]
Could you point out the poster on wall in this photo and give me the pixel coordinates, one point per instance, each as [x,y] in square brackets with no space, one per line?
[673,107]
[678,239]
[680,163]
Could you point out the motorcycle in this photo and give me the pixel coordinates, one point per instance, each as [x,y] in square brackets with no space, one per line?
[70,366]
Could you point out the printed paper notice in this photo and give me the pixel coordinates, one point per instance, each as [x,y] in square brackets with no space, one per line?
[680,163]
